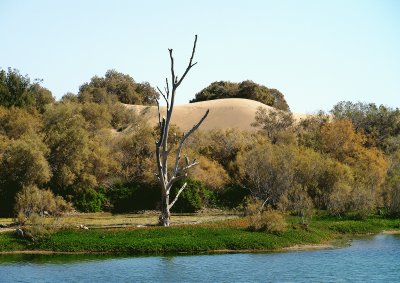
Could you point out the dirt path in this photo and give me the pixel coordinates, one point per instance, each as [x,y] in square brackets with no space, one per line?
[3,230]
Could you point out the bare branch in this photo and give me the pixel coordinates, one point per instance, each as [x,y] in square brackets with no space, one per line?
[167,85]
[177,195]
[163,95]
[172,67]
[162,133]
[189,166]
[183,139]
[190,65]
[197,125]
[159,113]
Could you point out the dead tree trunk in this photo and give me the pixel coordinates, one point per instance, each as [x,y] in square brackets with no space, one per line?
[179,171]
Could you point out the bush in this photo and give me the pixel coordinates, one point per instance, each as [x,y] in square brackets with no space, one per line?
[232,196]
[131,197]
[189,200]
[210,173]
[362,202]
[194,197]
[33,201]
[297,201]
[270,221]
[37,210]
[345,200]
[90,200]
[252,206]
[39,228]
[339,199]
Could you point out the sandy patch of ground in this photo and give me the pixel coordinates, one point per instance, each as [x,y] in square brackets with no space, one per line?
[391,232]
[309,247]
[224,113]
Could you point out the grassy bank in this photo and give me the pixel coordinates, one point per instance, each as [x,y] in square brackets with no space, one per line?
[229,235]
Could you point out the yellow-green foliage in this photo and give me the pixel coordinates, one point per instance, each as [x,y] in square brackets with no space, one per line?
[38,210]
[270,221]
[39,228]
[297,201]
[92,142]
[210,173]
[33,201]
[252,206]
[274,123]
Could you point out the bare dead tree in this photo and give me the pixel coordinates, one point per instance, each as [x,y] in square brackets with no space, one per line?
[179,171]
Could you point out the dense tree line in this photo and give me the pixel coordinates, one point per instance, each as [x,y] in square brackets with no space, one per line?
[97,155]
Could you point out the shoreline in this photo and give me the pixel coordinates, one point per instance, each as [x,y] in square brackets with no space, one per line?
[305,247]
[227,237]
[293,248]
[390,232]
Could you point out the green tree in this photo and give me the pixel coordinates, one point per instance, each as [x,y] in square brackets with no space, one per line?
[14,89]
[391,193]
[273,123]
[23,163]
[68,140]
[16,122]
[379,123]
[246,89]
[222,145]
[115,86]
[296,200]
[268,171]
[134,152]
[97,116]
[41,96]
[17,90]
[308,130]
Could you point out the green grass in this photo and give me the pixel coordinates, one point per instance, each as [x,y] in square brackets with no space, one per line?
[8,242]
[373,224]
[227,235]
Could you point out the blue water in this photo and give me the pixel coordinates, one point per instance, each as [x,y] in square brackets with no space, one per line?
[376,259]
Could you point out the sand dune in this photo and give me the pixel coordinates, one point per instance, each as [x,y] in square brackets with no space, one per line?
[224,113]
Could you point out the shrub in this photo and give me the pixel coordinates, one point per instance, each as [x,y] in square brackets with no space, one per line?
[362,202]
[32,205]
[357,201]
[210,173]
[131,197]
[339,199]
[252,206]
[33,201]
[232,196]
[194,197]
[189,200]
[39,228]
[297,201]
[90,200]
[270,221]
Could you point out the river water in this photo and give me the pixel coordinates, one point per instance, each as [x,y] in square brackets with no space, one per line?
[375,259]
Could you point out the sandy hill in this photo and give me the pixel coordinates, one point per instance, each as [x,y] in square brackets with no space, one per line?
[224,113]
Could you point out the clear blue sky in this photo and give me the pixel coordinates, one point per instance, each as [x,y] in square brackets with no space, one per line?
[315,52]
